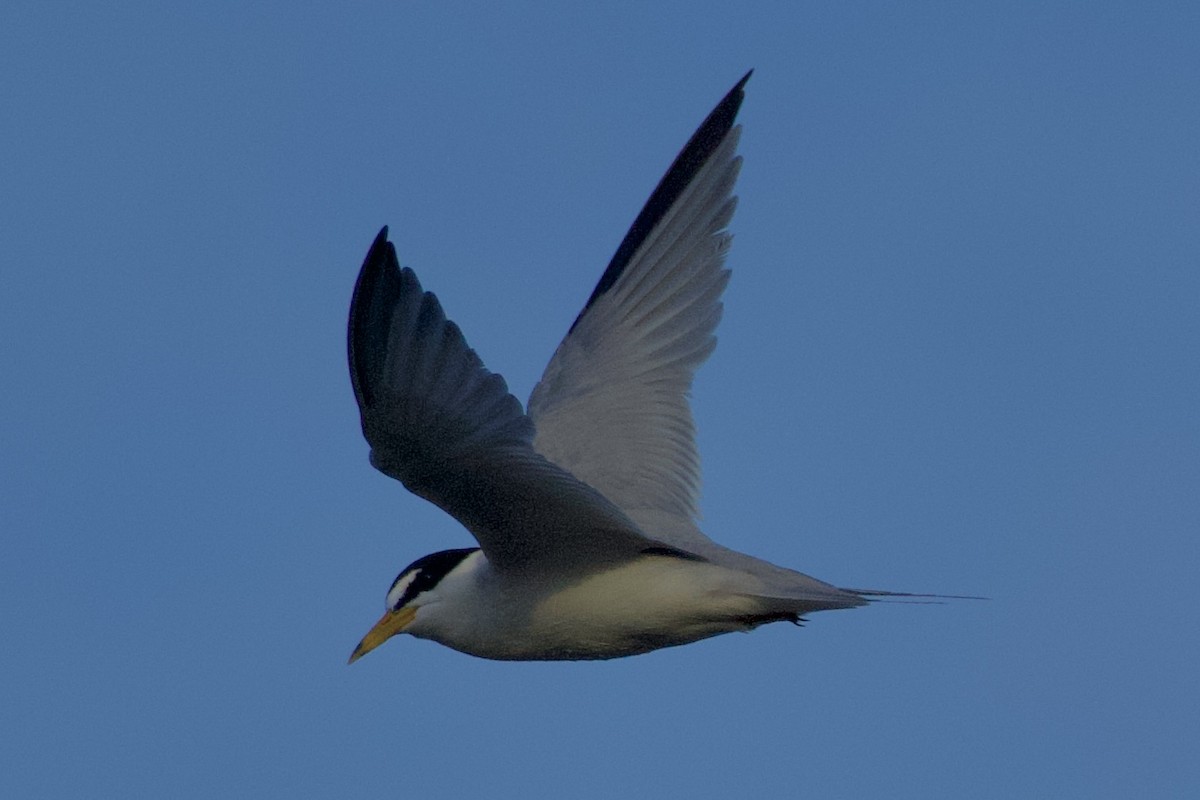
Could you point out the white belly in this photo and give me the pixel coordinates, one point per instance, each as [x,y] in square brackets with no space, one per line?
[644,605]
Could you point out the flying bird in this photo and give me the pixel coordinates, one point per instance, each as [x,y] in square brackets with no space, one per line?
[584,503]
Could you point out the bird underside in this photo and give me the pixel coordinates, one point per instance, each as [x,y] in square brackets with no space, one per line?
[653,602]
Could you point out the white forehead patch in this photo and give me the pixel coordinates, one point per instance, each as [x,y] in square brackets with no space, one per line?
[399,588]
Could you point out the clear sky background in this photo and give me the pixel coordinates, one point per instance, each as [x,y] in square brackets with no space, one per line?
[960,353]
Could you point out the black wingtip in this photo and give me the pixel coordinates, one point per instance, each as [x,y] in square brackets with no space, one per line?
[374,295]
[683,169]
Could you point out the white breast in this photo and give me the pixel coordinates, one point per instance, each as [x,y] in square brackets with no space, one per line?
[653,602]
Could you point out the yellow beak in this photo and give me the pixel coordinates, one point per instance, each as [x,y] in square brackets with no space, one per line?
[388,626]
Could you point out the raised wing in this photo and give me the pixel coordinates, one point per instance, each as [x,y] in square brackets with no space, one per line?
[612,406]
[438,421]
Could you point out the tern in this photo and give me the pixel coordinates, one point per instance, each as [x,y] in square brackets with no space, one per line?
[584,504]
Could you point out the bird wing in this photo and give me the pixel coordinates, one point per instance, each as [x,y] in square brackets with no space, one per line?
[438,421]
[612,406]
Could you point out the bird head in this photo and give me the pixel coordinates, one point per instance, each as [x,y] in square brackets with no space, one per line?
[414,586]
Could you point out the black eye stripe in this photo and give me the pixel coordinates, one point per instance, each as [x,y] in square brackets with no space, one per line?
[429,571]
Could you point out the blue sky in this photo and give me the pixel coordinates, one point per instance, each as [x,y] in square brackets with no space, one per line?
[960,353]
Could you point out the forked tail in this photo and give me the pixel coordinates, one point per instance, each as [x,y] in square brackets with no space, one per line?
[881,596]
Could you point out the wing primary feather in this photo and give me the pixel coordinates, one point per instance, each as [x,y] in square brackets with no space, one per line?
[375,294]
[707,138]
[612,405]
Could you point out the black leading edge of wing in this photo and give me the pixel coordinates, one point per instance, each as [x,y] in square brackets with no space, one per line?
[375,295]
[691,158]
